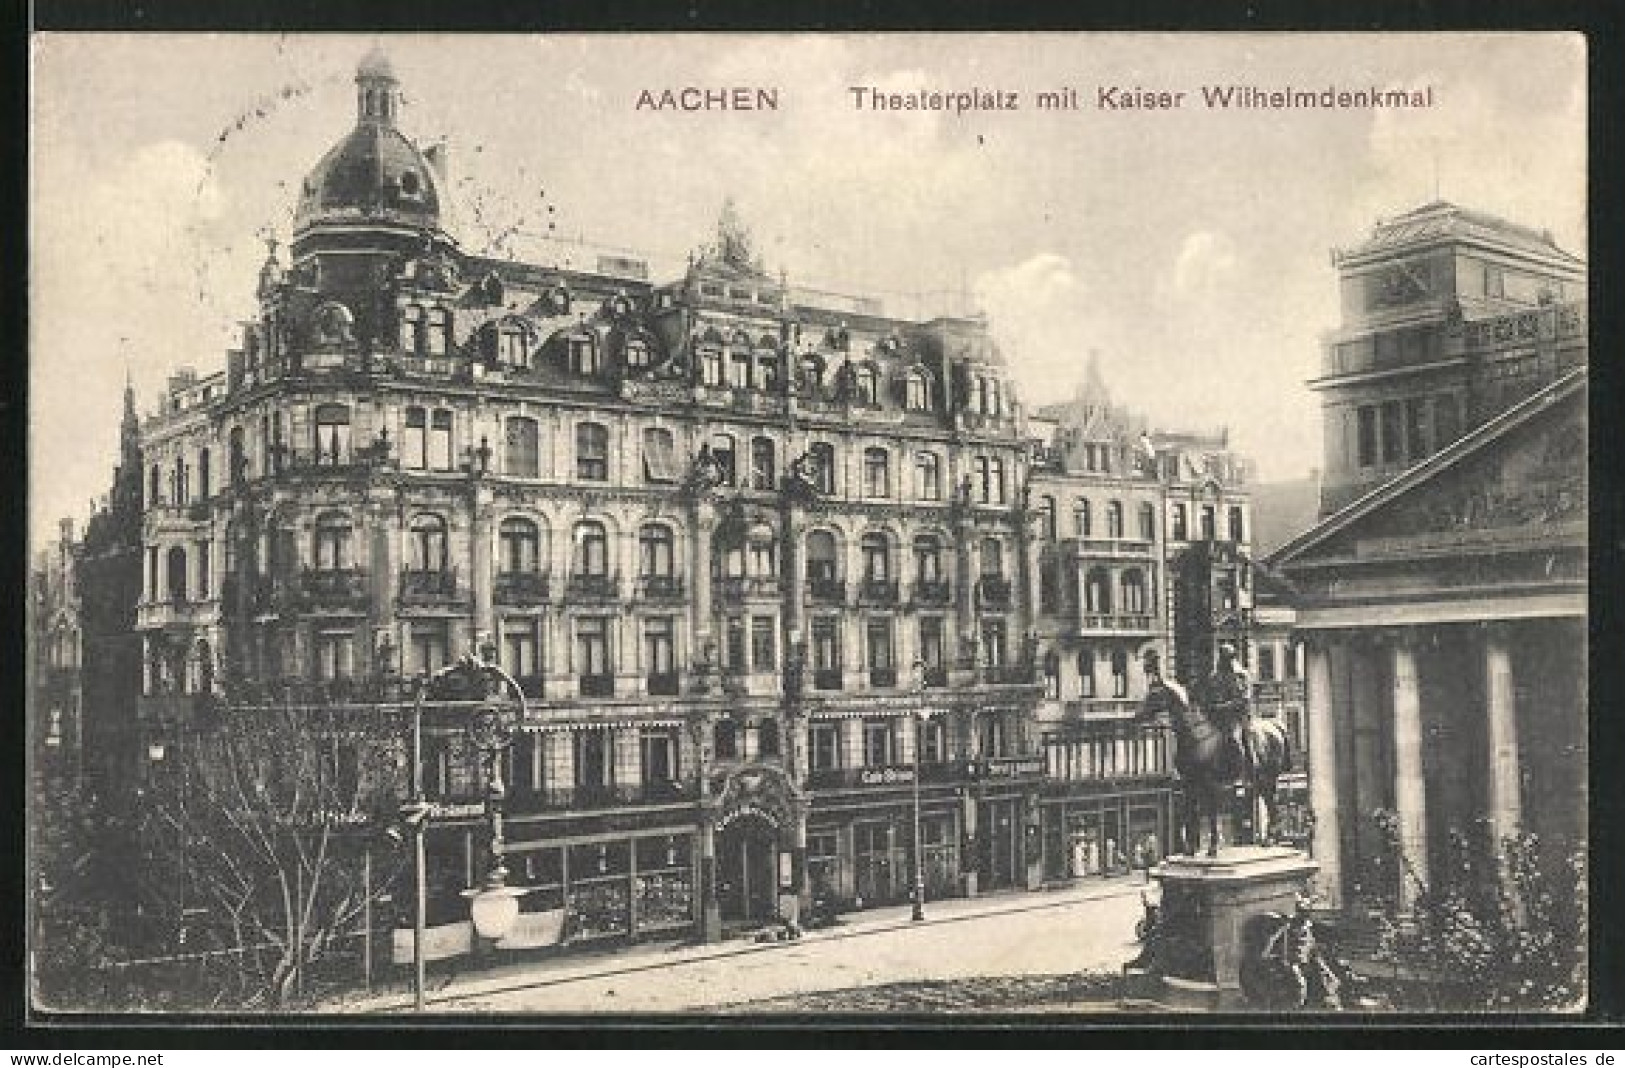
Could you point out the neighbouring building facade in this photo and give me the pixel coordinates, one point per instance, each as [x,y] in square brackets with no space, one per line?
[56,675]
[764,568]
[1442,595]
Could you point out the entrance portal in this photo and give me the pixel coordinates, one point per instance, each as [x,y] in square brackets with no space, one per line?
[747,870]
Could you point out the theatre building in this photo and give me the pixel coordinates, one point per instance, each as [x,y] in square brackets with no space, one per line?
[1442,595]
[759,560]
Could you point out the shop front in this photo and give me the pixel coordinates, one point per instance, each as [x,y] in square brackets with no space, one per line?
[1104,835]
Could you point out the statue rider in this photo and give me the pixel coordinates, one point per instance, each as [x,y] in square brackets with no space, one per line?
[1229,703]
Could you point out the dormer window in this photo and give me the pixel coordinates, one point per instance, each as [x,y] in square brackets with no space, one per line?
[917,391]
[513,344]
[866,385]
[637,353]
[437,330]
[584,355]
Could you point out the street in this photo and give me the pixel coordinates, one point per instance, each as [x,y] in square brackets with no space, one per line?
[1053,934]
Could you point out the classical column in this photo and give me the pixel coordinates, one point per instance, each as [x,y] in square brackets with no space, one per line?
[1410,787]
[1327,845]
[1501,724]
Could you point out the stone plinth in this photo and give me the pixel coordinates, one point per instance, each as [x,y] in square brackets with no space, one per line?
[1194,959]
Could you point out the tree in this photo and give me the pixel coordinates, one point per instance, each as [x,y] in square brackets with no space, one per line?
[258,834]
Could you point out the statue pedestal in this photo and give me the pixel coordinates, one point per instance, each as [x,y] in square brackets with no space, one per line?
[1194,959]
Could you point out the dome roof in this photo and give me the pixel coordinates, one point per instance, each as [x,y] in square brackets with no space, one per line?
[375,173]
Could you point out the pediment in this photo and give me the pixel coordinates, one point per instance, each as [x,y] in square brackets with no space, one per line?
[1516,484]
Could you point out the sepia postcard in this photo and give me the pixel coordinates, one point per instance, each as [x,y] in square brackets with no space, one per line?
[900,525]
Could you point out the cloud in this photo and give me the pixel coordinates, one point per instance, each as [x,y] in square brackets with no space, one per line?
[1037,313]
[1207,262]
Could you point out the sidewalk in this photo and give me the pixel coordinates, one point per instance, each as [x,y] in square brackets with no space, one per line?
[533,974]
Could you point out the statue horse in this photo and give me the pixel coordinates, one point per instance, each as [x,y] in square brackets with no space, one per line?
[1209,765]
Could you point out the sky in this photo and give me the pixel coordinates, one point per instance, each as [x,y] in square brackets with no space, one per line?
[1186,250]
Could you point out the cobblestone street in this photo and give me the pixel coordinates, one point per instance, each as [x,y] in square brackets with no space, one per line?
[1007,954]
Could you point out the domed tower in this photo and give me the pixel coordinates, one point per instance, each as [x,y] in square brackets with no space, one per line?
[371,204]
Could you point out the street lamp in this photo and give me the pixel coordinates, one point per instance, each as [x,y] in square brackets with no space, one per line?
[495,906]
[920,715]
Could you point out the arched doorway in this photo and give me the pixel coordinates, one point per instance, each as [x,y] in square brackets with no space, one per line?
[747,869]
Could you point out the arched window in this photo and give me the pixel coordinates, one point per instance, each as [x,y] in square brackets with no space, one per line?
[520,547]
[1134,592]
[1119,673]
[1052,675]
[592,452]
[822,455]
[876,550]
[591,549]
[928,558]
[203,477]
[1114,519]
[1177,524]
[822,562]
[763,475]
[427,543]
[522,452]
[237,458]
[866,384]
[762,546]
[917,391]
[928,476]
[876,473]
[767,738]
[992,558]
[1238,531]
[333,536]
[656,557]
[722,451]
[1097,592]
[175,572]
[1086,673]
[711,366]
[332,434]
[1046,518]
[1080,518]
[1148,522]
[659,455]
[637,353]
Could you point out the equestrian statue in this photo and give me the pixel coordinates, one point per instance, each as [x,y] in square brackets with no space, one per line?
[1217,744]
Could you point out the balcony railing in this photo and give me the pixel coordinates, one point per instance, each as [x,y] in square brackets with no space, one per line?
[827,678]
[420,586]
[827,590]
[594,587]
[666,684]
[877,592]
[1010,675]
[522,588]
[1115,621]
[333,587]
[661,587]
[936,678]
[739,589]
[993,593]
[1278,690]
[1103,708]
[933,592]
[597,685]
[602,795]
[1113,546]
[883,678]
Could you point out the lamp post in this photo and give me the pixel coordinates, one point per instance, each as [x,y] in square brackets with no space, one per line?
[921,714]
[494,906]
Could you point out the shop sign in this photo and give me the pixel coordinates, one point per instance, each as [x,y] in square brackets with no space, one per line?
[464,810]
[891,775]
[1012,767]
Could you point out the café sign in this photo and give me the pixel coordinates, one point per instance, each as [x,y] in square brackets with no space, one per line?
[890,775]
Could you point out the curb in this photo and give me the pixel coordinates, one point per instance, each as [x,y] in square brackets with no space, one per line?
[534,982]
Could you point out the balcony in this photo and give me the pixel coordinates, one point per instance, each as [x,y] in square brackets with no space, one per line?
[1115,622]
[936,678]
[826,590]
[883,678]
[1278,690]
[593,588]
[601,795]
[826,678]
[597,685]
[993,593]
[334,589]
[761,587]
[1009,675]
[661,588]
[933,593]
[522,588]
[877,593]
[424,587]
[666,684]
[1102,708]
[1113,546]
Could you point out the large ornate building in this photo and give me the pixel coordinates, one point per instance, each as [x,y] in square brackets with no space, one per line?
[762,567]
[1443,592]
